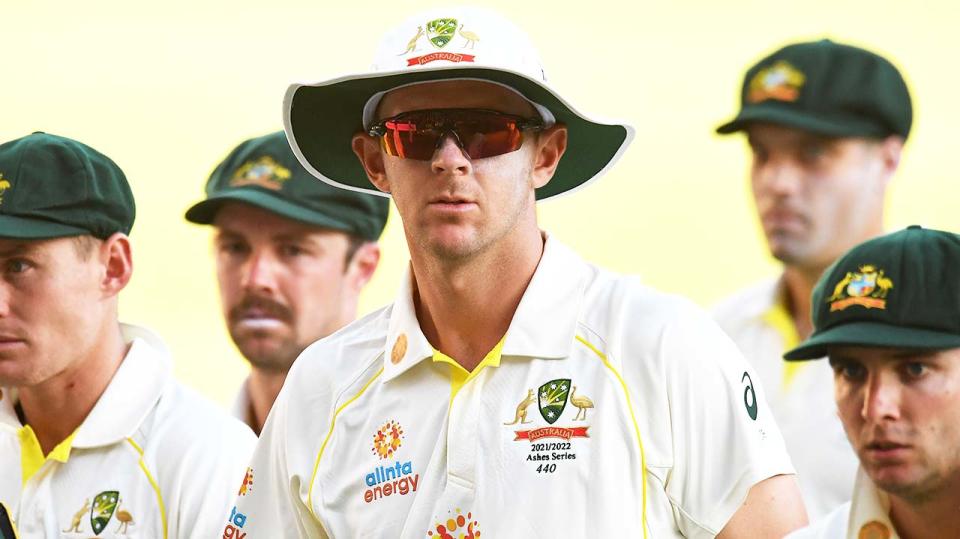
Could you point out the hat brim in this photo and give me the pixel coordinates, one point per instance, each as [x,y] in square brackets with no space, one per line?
[205,211]
[321,119]
[872,334]
[26,228]
[774,113]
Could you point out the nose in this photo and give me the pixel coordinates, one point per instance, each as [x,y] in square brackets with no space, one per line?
[449,157]
[259,272]
[881,399]
[778,177]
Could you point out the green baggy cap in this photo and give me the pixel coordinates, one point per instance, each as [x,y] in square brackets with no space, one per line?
[52,187]
[263,172]
[898,291]
[825,88]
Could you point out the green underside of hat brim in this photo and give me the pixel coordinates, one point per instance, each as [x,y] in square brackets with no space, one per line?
[323,132]
[807,121]
[205,211]
[26,228]
[872,334]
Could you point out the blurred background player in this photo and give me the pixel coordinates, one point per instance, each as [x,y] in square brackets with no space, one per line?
[94,431]
[292,255]
[888,317]
[826,124]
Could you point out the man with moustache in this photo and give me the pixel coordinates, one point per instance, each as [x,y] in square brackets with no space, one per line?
[511,389]
[96,436]
[826,123]
[887,314]
[292,255]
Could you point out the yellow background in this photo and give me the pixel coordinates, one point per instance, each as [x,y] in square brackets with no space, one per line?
[167,89]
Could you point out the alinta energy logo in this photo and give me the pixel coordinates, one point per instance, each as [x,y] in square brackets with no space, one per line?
[247,484]
[456,527]
[396,478]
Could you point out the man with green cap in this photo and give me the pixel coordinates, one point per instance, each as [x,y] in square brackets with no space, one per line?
[95,433]
[826,123]
[511,389]
[292,255]
[887,314]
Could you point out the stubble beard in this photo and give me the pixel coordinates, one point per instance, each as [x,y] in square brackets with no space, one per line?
[270,358]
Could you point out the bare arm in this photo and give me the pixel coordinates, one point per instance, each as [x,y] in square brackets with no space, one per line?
[773,508]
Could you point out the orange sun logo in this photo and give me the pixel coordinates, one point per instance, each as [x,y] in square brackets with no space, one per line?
[387,439]
[457,527]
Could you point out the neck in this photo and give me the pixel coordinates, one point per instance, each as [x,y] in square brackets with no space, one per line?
[262,389]
[465,307]
[56,407]
[798,285]
[936,516]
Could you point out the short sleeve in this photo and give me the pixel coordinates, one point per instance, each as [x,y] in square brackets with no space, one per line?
[272,496]
[725,438]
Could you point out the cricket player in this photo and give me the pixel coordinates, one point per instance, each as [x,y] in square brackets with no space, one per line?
[887,314]
[826,124]
[292,256]
[511,389]
[96,437]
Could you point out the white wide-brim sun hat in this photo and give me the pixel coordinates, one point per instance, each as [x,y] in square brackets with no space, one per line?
[465,43]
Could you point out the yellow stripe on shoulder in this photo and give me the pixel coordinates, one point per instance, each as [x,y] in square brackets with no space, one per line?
[633,418]
[153,483]
[323,446]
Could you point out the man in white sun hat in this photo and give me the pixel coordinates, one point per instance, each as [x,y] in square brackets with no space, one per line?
[511,389]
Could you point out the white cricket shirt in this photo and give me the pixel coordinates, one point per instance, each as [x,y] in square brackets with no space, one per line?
[607,405]
[151,460]
[866,516]
[800,393]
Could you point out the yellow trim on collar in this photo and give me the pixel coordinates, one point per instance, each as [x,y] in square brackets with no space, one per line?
[31,455]
[779,319]
[459,376]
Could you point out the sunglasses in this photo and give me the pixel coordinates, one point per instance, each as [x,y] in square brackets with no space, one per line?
[479,133]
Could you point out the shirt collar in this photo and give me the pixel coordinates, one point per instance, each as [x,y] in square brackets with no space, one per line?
[869,508]
[544,325]
[132,393]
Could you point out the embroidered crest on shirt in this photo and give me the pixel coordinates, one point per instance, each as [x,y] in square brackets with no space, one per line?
[552,398]
[867,287]
[104,505]
[456,526]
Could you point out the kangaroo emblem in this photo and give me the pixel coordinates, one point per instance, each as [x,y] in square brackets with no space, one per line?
[521,416]
[78,517]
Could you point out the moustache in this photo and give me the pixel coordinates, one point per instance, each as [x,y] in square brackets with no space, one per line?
[262,306]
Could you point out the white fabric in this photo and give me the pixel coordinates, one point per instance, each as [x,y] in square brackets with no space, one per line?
[317,474]
[192,452]
[869,509]
[803,405]
[240,408]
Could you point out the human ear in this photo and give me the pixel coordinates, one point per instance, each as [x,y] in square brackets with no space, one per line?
[117,260]
[551,144]
[370,155]
[362,265]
